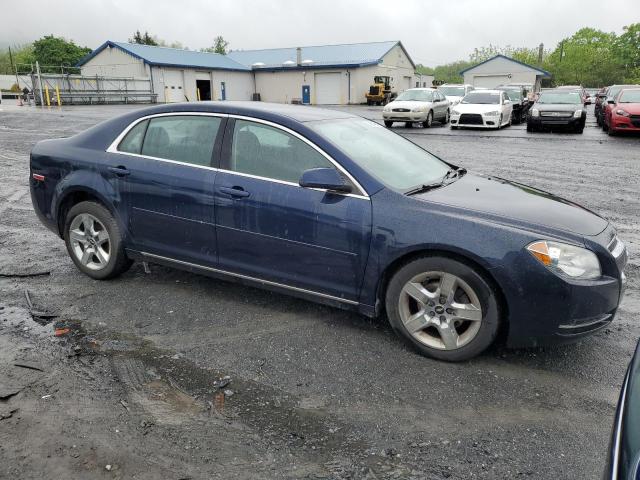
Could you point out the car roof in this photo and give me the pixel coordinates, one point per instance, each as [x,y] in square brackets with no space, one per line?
[430,89]
[557,90]
[262,110]
[487,90]
[456,85]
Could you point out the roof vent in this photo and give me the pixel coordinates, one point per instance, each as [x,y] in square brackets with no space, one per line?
[307,62]
[258,65]
[288,63]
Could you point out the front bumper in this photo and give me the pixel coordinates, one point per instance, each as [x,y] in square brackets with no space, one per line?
[619,123]
[570,122]
[552,309]
[404,116]
[475,120]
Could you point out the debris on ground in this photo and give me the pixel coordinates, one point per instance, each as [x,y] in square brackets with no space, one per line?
[39,316]
[25,274]
[29,365]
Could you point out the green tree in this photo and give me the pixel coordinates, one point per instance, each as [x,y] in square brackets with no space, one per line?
[219,46]
[143,39]
[627,52]
[22,59]
[55,52]
[586,58]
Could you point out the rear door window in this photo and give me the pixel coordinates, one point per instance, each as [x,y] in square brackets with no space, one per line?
[132,142]
[269,152]
[182,138]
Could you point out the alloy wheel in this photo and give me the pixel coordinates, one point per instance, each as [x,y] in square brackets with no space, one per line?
[90,241]
[440,310]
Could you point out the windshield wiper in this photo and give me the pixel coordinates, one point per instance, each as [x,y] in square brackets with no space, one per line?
[451,174]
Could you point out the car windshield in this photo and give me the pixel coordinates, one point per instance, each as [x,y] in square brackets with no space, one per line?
[452,91]
[389,157]
[514,95]
[416,95]
[484,98]
[567,98]
[629,96]
[613,91]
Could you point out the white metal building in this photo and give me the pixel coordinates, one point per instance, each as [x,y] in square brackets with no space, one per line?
[176,75]
[321,75]
[500,70]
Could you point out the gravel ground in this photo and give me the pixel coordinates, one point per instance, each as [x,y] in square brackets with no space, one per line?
[133,384]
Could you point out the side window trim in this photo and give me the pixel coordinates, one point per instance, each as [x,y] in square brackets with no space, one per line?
[226,155]
[113,148]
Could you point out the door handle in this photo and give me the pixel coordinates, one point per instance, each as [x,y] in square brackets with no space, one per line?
[238,192]
[120,170]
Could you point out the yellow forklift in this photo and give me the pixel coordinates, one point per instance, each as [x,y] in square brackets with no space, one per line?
[380,92]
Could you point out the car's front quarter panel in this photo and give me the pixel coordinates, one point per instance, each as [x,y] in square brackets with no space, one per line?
[540,306]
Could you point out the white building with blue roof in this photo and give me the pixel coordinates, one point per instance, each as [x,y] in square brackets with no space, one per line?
[320,75]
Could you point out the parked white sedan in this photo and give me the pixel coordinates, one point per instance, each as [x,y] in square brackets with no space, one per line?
[483,109]
[422,105]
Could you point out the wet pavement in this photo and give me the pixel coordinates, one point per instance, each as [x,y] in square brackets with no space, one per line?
[135,381]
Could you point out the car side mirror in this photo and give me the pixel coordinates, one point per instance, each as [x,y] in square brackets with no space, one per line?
[325,179]
[611,101]
[505,101]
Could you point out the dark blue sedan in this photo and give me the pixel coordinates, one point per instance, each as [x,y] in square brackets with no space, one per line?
[333,208]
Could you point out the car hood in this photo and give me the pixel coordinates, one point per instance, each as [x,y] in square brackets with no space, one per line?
[477,107]
[558,107]
[407,104]
[510,200]
[630,108]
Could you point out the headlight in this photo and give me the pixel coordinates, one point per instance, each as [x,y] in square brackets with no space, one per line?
[416,109]
[535,112]
[455,112]
[386,109]
[577,114]
[622,113]
[492,114]
[576,262]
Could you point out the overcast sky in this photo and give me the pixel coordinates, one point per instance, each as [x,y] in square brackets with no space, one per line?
[434,32]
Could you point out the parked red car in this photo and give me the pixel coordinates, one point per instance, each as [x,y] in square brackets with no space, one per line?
[623,113]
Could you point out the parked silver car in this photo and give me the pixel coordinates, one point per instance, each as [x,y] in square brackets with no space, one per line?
[423,105]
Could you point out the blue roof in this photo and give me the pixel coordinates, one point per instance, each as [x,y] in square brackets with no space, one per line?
[346,55]
[543,72]
[171,57]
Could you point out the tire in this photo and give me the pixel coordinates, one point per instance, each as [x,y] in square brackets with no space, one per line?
[429,121]
[605,127]
[454,127]
[499,123]
[408,124]
[470,336]
[529,127]
[369,102]
[579,129]
[388,123]
[611,132]
[510,122]
[105,255]
[446,117]
[598,121]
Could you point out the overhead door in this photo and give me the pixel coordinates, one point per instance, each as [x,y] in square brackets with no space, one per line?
[328,88]
[490,81]
[173,86]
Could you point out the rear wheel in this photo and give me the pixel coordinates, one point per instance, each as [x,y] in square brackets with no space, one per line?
[94,241]
[529,127]
[408,124]
[388,123]
[442,307]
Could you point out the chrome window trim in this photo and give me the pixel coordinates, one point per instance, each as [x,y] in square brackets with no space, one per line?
[113,148]
[248,277]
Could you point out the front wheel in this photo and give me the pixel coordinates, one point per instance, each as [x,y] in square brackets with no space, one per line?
[427,123]
[94,241]
[388,123]
[443,307]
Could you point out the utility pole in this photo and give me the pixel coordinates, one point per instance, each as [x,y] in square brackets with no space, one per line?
[540,52]
[40,82]
[15,68]
[561,50]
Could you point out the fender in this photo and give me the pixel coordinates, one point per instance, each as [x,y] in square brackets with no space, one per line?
[92,184]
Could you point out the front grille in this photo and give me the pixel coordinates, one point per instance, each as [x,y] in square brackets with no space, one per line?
[635,120]
[471,119]
[400,110]
[556,114]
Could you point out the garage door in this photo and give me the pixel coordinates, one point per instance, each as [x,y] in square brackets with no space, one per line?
[328,88]
[490,81]
[174,89]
